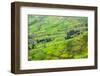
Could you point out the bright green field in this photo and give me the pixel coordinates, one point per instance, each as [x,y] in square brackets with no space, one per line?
[57,37]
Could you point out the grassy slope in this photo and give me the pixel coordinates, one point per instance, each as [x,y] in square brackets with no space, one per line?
[49,33]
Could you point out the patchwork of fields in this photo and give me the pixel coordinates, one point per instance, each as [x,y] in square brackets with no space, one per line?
[57,37]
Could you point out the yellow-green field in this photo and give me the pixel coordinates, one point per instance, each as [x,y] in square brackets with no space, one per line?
[57,37]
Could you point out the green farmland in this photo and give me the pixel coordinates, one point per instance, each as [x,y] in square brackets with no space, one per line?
[57,37]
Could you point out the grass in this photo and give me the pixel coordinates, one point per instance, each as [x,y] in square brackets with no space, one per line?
[57,37]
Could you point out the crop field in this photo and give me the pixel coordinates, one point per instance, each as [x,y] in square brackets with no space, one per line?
[57,37]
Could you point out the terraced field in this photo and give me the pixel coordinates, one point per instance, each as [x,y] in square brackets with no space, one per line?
[57,37]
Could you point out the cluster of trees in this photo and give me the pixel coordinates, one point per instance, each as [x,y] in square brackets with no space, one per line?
[57,37]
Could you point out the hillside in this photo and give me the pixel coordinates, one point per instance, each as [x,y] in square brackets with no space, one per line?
[57,37]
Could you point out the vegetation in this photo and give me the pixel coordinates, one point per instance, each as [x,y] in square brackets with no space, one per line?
[57,37]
